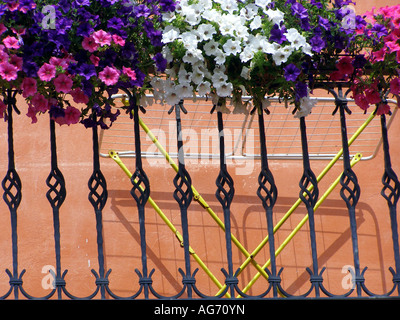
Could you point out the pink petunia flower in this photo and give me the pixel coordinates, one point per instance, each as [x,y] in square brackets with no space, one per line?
[28,87]
[102,38]
[345,65]
[16,61]
[118,40]
[3,108]
[40,102]
[47,72]
[59,62]
[3,57]
[89,44]
[361,101]
[129,72]
[373,96]
[379,55]
[72,115]
[383,108]
[32,113]
[395,86]
[109,76]
[11,42]
[95,60]
[79,96]
[8,71]
[63,83]
[2,28]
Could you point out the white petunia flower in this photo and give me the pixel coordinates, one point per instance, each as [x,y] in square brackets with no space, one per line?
[218,78]
[229,5]
[213,16]
[249,11]
[247,54]
[262,3]
[191,16]
[183,75]
[282,54]
[227,26]
[306,105]
[184,90]
[205,31]
[256,23]
[192,56]
[225,89]
[295,38]
[276,16]
[203,88]
[171,97]
[189,40]
[211,48]
[197,76]
[170,34]
[232,47]
[219,57]
[245,73]
[241,32]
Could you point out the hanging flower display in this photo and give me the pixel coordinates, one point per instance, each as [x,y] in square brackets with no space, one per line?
[64,55]
[380,78]
[227,49]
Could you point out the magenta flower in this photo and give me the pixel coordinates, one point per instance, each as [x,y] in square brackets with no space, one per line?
[102,38]
[118,40]
[28,87]
[3,108]
[47,72]
[63,83]
[72,115]
[40,102]
[11,42]
[32,113]
[79,96]
[109,76]
[89,44]
[8,71]
[129,72]
[395,86]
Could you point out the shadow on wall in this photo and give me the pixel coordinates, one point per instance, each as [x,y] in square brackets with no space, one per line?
[331,221]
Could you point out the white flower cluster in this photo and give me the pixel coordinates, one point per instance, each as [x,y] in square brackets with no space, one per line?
[217,34]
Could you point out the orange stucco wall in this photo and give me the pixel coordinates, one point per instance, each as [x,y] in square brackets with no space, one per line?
[121,228]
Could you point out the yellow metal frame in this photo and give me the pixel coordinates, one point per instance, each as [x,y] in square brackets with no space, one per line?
[250,257]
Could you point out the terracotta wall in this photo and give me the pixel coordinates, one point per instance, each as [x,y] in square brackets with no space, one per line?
[121,229]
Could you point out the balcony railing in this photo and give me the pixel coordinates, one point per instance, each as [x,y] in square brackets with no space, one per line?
[185,193]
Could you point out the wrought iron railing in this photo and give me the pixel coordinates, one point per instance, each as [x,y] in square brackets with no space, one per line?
[267,193]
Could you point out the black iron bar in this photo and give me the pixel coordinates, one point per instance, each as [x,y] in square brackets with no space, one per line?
[350,191]
[392,185]
[308,178]
[225,198]
[12,193]
[183,195]
[56,196]
[267,192]
[98,197]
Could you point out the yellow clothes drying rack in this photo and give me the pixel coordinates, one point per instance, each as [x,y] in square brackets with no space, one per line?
[250,256]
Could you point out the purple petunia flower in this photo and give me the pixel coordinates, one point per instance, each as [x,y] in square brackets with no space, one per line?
[277,34]
[160,61]
[380,30]
[87,71]
[299,11]
[301,90]
[79,3]
[317,43]
[291,72]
